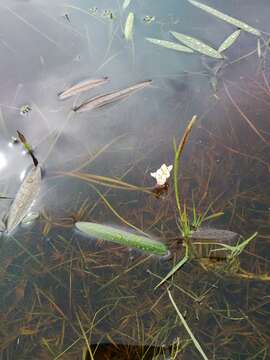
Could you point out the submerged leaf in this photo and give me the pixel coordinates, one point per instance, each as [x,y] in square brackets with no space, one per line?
[170,45]
[128,32]
[238,23]
[102,100]
[197,45]
[109,233]
[27,193]
[82,86]
[229,40]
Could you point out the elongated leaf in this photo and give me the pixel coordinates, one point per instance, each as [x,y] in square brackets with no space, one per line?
[109,233]
[238,23]
[27,193]
[197,45]
[128,32]
[102,100]
[229,41]
[82,86]
[170,45]
[126,4]
[195,341]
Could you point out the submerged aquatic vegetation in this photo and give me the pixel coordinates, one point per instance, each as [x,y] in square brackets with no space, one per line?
[197,45]
[229,19]
[27,193]
[106,99]
[170,45]
[148,19]
[128,31]
[229,41]
[82,86]
[27,147]
[162,174]
[108,233]
[195,341]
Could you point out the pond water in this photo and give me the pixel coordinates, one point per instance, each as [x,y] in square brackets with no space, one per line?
[68,296]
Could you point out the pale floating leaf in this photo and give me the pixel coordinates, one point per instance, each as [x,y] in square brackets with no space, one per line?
[109,233]
[238,23]
[126,4]
[25,197]
[229,41]
[128,31]
[170,45]
[197,45]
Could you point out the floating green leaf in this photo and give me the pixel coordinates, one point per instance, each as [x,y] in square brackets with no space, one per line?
[170,45]
[109,233]
[128,32]
[197,45]
[126,4]
[238,23]
[229,41]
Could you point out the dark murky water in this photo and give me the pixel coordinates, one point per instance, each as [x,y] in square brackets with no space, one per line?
[62,293]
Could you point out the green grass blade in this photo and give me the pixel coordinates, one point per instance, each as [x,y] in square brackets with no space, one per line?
[170,45]
[109,233]
[231,20]
[175,268]
[195,341]
[197,45]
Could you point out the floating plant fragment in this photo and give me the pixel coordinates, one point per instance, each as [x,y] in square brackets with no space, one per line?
[93,10]
[148,19]
[25,109]
[162,174]
[229,41]
[197,45]
[103,100]
[108,14]
[238,23]
[170,45]
[128,31]
[82,86]
[109,233]
[126,4]
[25,197]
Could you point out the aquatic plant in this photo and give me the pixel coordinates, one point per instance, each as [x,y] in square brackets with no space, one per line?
[162,174]
[229,19]
[109,233]
[170,45]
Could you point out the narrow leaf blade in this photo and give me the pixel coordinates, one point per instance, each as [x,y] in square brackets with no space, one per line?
[197,45]
[170,45]
[229,19]
[229,41]
[109,233]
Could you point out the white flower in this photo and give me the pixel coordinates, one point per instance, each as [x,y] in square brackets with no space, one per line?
[162,174]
